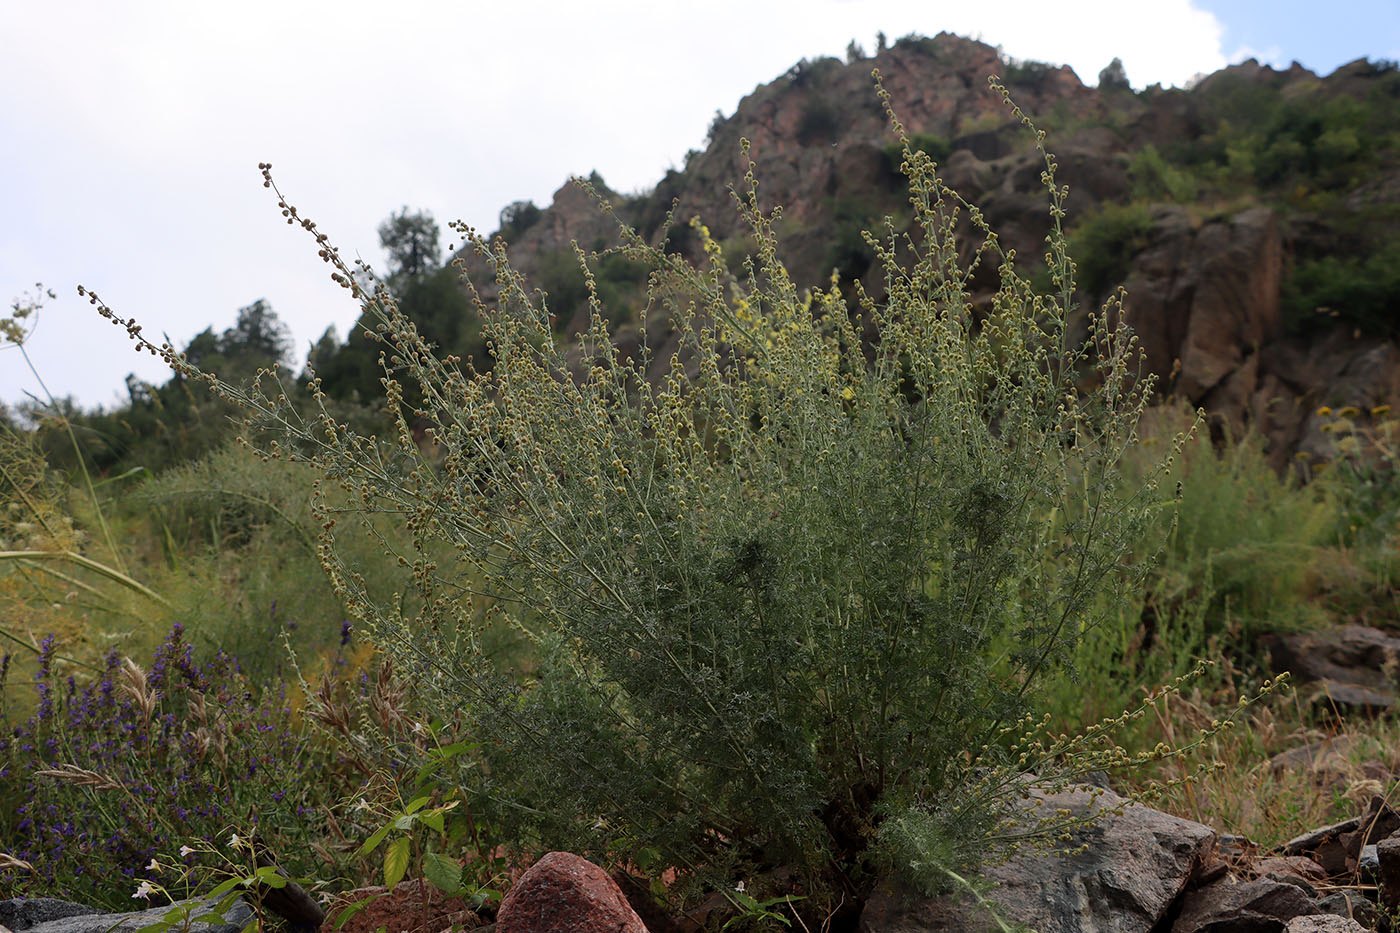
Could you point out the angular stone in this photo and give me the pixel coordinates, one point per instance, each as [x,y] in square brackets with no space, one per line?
[562,893]
[1259,906]
[1295,865]
[1351,905]
[1326,923]
[1344,699]
[1302,884]
[1136,865]
[1305,843]
[1377,823]
[1316,756]
[1388,855]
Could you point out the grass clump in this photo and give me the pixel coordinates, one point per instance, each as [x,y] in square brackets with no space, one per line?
[1241,552]
[1256,535]
[788,604]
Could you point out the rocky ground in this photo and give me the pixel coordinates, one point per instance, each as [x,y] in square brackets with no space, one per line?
[1140,869]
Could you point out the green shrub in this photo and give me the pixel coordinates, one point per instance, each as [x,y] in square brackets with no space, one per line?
[1114,78]
[847,251]
[1027,74]
[1244,555]
[936,147]
[1156,179]
[1360,290]
[790,604]
[247,525]
[1105,243]
[517,217]
[816,71]
[1252,532]
[1364,478]
[1267,135]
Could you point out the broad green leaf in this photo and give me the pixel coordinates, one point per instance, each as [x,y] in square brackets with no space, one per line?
[226,886]
[456,748]
[395,862]
[444,873]
[373,841]
[270,876]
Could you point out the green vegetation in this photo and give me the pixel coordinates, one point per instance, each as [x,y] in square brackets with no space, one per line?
[1114,77]
[935,147]
[1361,288]
[165,425]
[1296,150]
[411,240]
[1106,242]
[791,615]
[1278,141]
[516,218]
[848,253]
[808,72]
[789,606]
[1155,179]
[1028,74]
[426,289]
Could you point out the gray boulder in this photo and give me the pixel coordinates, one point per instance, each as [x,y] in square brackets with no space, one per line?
[1135,867]
[47,915]
[22,913]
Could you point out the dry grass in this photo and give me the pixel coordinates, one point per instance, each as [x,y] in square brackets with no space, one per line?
[1287,768]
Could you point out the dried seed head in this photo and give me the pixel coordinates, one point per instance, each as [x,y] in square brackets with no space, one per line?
[137,687]
[80,777]
[9,861]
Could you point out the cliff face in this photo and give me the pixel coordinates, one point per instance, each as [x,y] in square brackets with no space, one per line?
[1226,210]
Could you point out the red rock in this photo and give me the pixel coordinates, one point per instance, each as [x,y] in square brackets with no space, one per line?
[562,893]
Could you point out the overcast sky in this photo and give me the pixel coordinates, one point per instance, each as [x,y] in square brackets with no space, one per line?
[130,132]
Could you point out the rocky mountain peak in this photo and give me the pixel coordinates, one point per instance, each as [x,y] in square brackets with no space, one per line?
[1233,210]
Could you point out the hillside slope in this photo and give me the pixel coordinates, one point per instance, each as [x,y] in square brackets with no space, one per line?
[1252,218]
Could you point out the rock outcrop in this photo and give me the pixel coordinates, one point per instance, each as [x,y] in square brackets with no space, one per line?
[1142,871]
[1203,279]
[1349,668]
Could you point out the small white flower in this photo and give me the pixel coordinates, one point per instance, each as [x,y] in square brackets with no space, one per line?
[739,887]
[234,842]
[144,890]
[153,866]
[417,728]
[186,851]
[362,804]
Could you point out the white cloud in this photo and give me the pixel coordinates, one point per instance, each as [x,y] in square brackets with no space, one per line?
[1165,42]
